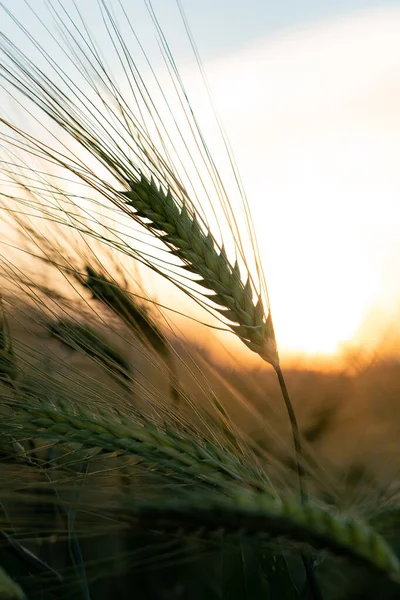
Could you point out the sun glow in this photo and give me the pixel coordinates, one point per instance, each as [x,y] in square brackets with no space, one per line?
[314,122]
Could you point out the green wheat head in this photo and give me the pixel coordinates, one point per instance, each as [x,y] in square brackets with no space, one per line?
[181,231]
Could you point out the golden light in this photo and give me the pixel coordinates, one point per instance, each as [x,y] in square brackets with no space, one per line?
[314,120]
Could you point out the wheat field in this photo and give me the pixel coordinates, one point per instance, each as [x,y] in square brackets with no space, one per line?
[135,461]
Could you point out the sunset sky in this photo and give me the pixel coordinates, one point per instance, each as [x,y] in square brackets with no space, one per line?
[317,142]
[309,94]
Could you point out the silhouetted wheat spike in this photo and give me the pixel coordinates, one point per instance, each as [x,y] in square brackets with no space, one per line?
[120,302]
[136,318]
[87,340]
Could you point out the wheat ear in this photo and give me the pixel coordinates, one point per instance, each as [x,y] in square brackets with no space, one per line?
[178,227]
[246,507]
[89,341]
[181,455]
[135,317]
[265,517]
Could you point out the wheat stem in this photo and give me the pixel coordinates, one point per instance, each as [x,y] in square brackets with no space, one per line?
[308,567]
[295,432]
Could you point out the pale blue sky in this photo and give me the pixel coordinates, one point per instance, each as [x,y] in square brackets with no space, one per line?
[219,26]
